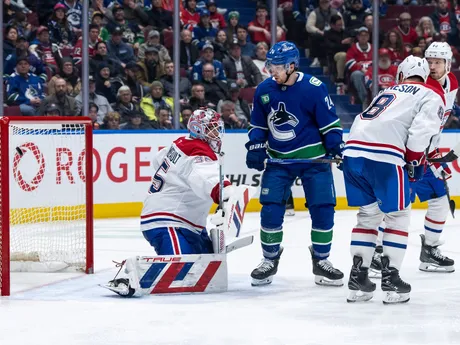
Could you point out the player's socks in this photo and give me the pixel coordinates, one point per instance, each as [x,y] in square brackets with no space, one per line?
[360,287]
[264,272]
[432,260]
[325,273]
[396,290]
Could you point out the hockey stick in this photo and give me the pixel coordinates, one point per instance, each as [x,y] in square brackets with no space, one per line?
[448,158]
[221,180]
[451,202]
[306,160]
[239,243]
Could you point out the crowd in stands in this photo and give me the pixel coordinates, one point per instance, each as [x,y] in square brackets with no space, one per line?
[131,83]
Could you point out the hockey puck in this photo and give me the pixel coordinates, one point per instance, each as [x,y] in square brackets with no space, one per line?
[19,151]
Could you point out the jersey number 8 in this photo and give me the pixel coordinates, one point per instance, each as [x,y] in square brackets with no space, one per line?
[158,180]
[378,106]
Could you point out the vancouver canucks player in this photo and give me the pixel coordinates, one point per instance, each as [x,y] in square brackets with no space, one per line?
[294,117]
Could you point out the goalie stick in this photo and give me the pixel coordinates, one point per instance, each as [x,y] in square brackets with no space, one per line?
[239,243]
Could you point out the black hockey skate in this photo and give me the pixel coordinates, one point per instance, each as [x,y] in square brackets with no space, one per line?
[375,271]
[325,273]
[433,261]
[120,286]
[264,272]
[360,287]
[396,290]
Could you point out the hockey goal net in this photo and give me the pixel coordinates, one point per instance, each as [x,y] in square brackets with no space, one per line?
[46,199]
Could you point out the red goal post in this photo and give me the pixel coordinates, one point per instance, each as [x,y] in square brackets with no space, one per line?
[46,199]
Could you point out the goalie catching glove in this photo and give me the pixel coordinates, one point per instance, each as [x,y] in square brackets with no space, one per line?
[439,168]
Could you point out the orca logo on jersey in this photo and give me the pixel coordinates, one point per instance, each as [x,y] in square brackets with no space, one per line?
[281,122]
[30,184]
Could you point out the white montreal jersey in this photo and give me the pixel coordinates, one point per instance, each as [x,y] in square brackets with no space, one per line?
[407,115]
[184,187]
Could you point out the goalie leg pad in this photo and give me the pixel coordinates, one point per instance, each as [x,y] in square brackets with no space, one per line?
[218,240]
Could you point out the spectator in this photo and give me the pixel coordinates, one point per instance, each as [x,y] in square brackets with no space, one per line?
[52,110]
[207,57]
[133,12]
[408,33]
[59,28]
[233,18]
[64,102]
[189,16]
[217,19]
[215,89]
[126,104]
[241,69]
[231,121]
[425,29]
[241,107]
[186,112]
[111,121]
[136,122]
[150,103]
[189,53]
[300,11]
[167,80]
[359,57]
[369,24]
[163,115]
[19,22]
[220,46]
[93,39]
[445,21]
[317,24]
[9,44]
[44,50]
[24,89]
[284,6]
[418,52]
[353,18]
[101,57]
[128,29]
[93,115]
[151,67]
[22,50]
[74,14]
[97,19]
[386,73]
[204,33]
[421,43]
[394,43]
[259,28]
[104,86]
[261,59]
[118,50]
[337,43]
[132,71]
[70,75]
[153,40]
[197,99]
[102,103]
[159,18]
[247,48]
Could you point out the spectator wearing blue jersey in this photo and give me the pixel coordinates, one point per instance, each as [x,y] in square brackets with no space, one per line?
[74,14]
[207,57]
[22,50]
[25,89]
[204,32]
[247,48]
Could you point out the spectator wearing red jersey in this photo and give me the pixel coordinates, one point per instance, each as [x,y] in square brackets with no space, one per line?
[445,21]
[408,33]
[93,39]
[386,74]
[217,19]
[359,57]
[394,43]
[189,16]
[259,28]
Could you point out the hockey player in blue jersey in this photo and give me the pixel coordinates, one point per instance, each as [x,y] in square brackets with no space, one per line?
[294,117]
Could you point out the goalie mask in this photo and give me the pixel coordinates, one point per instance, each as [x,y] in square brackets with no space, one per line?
[207,125]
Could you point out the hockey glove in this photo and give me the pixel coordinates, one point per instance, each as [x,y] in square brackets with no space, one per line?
[336,152]
[439,168]
[256,156]
[415,165]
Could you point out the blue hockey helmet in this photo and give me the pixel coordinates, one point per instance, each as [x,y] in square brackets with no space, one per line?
[283,53]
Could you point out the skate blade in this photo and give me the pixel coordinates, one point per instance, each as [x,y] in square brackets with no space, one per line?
[392,297]
[261,282]
[375,274]
[323,281]
[289,213]
[429,267]
[122,291]
[359,296]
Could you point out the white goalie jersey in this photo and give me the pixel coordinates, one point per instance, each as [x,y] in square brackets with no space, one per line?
[407,115]
[184,187]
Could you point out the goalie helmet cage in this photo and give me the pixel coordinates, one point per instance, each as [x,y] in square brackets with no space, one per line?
[46,199]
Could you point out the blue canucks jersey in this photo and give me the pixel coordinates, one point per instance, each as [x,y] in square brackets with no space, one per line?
[297,121]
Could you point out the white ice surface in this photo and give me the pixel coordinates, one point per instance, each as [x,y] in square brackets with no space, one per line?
[292,310]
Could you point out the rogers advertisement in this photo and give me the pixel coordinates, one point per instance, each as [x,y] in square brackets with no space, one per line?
[50,170]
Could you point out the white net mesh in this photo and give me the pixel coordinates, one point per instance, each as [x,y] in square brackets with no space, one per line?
[47,197]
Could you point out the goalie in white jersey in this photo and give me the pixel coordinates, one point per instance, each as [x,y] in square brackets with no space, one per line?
[386,147]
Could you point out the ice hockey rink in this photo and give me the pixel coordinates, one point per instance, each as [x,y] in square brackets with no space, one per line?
[292,310]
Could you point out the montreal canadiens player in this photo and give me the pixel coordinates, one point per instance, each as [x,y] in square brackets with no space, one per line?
[385,148]
[431,188]
[183,189]
[294,117]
